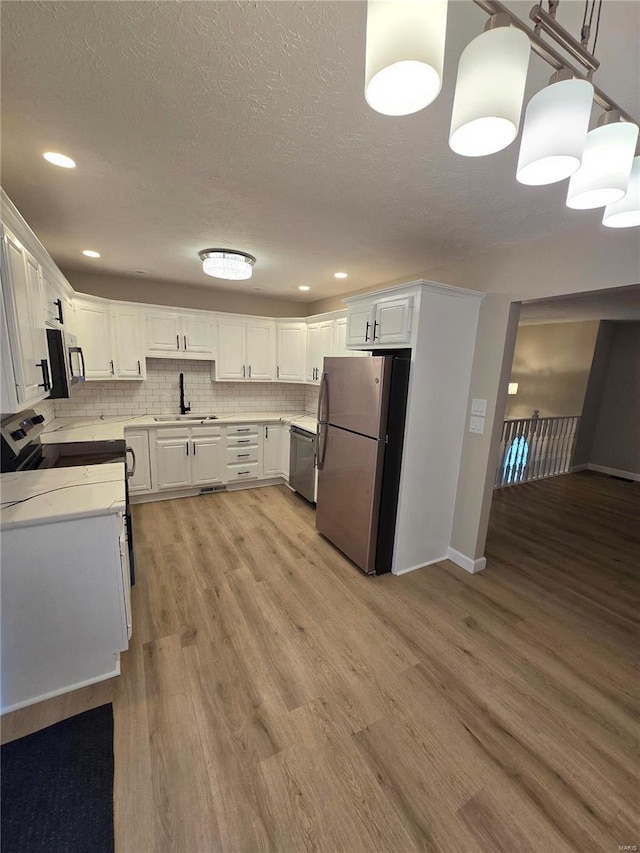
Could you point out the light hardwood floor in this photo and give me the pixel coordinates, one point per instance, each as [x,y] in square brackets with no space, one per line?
[274,698]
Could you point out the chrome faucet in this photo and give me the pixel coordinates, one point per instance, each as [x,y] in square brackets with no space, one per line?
[183,409]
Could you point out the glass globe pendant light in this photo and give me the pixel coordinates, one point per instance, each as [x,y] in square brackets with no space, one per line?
[626,212]
[404,54]
[555,130]
[604,174]
[492,75]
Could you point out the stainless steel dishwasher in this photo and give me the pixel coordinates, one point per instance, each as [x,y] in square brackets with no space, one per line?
[302,469]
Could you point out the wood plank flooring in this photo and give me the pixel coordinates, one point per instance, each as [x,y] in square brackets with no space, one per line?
[274,699]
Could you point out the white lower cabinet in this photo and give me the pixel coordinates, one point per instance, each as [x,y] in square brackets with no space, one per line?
[138,461]
[207,463]
[274,435]
[66,606]
[184,458]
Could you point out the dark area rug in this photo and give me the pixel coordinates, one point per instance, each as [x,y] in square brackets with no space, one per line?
[57,787]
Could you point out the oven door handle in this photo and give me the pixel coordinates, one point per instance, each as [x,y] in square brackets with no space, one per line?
[131,473]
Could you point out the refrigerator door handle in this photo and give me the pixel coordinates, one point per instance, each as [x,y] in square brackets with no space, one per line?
[323,385]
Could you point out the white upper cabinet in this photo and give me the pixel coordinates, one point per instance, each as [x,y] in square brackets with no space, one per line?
[172,334]
[384,321]
[319,344]
[163,333]
[246,350]
[112,340]
[93,327]
[59,311]
[126,324]
[291,352]
[25,354]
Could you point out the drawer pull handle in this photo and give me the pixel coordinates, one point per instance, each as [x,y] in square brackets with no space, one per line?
[240,473]
[244,440]
[244,429]
[243,455]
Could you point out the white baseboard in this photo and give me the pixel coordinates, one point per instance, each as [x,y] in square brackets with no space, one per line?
[466,563]
[399,572]
[613,472]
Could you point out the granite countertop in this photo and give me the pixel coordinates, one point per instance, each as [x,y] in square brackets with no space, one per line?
[61,494]
[62,430]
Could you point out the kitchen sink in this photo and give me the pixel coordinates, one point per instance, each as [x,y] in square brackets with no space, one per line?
[169,418]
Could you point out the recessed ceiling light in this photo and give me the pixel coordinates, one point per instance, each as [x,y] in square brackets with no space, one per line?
[340,274]
[91,254]
[59,159]
[304,287]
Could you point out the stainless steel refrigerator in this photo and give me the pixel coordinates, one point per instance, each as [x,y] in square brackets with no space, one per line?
[361,414]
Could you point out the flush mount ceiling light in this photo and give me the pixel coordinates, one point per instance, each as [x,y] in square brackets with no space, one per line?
[404,54]
[603,177]
[404,59]
[492,74]
[555,130]
[227,263]
[59,160]
[626,212]
[304,287]
[91,254]
[340,275]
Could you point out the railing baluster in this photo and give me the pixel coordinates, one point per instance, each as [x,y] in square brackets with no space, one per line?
[535,448]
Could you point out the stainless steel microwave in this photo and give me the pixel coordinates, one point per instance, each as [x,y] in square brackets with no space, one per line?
[67,363]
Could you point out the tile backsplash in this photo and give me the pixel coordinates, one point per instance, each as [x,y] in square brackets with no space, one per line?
[159,394]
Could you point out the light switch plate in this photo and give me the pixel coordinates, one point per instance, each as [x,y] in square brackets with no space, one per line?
[479,407]
[476,425]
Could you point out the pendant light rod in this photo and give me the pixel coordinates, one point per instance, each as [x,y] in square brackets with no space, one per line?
[552,57]
[548,23]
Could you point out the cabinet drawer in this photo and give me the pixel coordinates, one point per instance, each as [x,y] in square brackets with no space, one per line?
[241,454]
[246,471]
[242,430]
[242,440]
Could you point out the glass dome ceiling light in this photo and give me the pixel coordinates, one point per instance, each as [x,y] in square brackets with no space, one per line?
[229,264]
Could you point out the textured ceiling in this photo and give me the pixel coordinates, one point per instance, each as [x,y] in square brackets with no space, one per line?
[243,124]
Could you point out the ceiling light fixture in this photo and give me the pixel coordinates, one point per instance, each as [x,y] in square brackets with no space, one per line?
[59,160]
[555,130]
[90,253]
[603,177]
[492,74]
[404,59]
[229,264]
[304,287]
[626,212]
[340,275]
[404,54]
[512,388]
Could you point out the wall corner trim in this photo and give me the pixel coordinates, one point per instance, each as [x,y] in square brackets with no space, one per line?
[466,563]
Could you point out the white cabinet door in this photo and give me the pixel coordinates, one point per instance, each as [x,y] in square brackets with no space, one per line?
[291,352]
[261,350]
[128,343]
[93,329]
[313,351]
[285,450]
[163,333]
[359,324]
[326,344]
[138,461]
[392,324]
[207,462]
[340,341]
[28,340]
[230,360]
[272,450]
[173,458]
[197,334]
